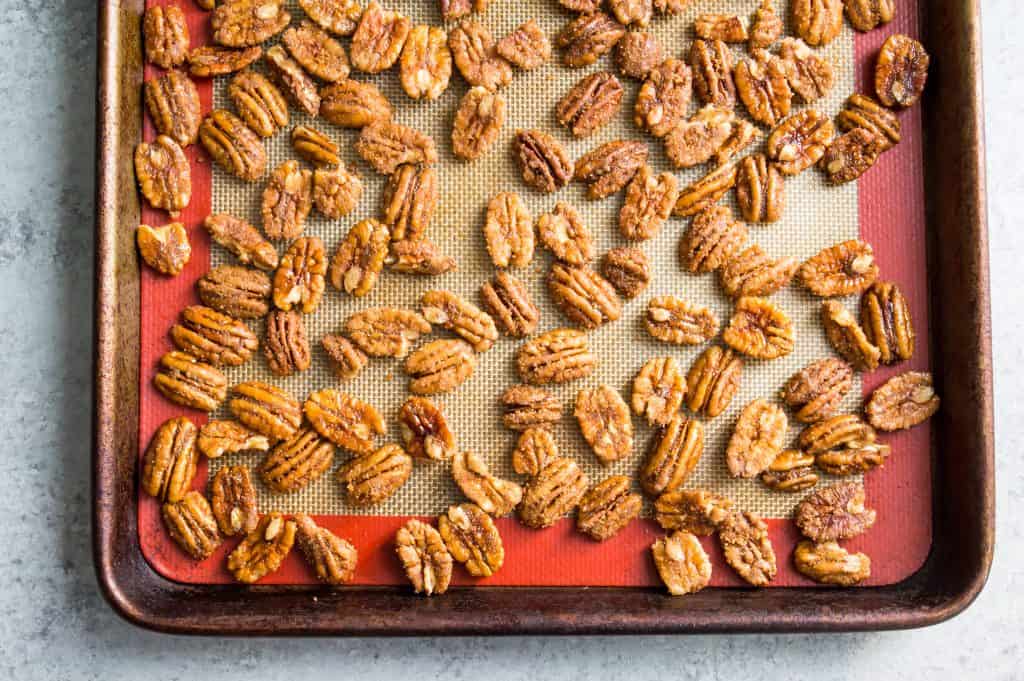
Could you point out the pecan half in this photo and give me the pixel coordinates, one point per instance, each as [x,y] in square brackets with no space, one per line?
[386,331]
[847,337]
[426,561]
[632,12]
[851,155]
[799,142]
[371,478]
[166,35]
[213,337]
[440,366]
[378,39]
[842,431]
[833,513]
[472,538]
[336,191]
[751,272]
[563,233]
[360,258]
[757,439]
[242,240]
[759,329]
[509,231]
[165,249]
[242,23]
[866,15]
[534,450]
[226,436]
[763,88]
[627,269]
[658,390]
[903,401]
[649,201]
[682,564]
[552,493]
[211,60]
[418,257]
[829,563]
[425,430]
[809,75]
[790,471]
[346,359]
[258,101]
[694,510]
[332,558]
[299,279]
[672,455]
[297,84]
[885,317]
[851,460]
[747,548]
[185,380]
[590,103]
[346,421]
[901,71]
[478,120]
[263,550]
[587,37]
[315,147]
[508,301]
[233,501]
[191,525]
[711,62]
[169,463]
[712,381]
[673,320]
[766,26]
[476,58]
[583,295]
[728,28]
[670,7]
[697,139]
[236,291]
[664,97]
[386,145]
[581,6]
[425,63]
[266,409]
[410,199]
[287,200]
[286,347]
[760,189]
[526,47]
[493,495]
[705,192]
[605,422]
[353,104]
[337,16]
[162,170]
[609,167]
[816,391]
[637,54]
[557,356]
[818,22]
[841,269]
[607,507]
[543,162]
[233,145]
[173,104]
[528,407]
[461,317]
[861,111]
[316,51]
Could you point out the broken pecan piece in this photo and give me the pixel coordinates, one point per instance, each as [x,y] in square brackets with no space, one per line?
[346,421]
[169,463]
[386,331]
[673,453]
[440,366]
[493,495]
[317,52]
[191,525]
[476,58]
[185,380]
[851,155]
[747,548]
[605,422]
[360,258]
[759,329]
[544,163]
[472,538]
[829,563]
[799,142]
[173,104]
[346,359]
[751,272]
[425,63]
[649,201]
[818,22]
[552,493]
[609,167]
[258,101]
[337,16]
[901,71]
[590,103]
[263,550]
[705,192]
[744,134]
[674,320]
[840,270]
[509,231]
[315,147]
[587,37]
[213,337]
[241,239]
[526,47]
[757,439]
[378,39]
[534,450]
[885,317]
[557,356]
[607,507]
[713,380]
[426,561]
[166,35]
[267,409]
[332,558]
[694,510]
[240,292]
[410,199]
[790,471]
[418,257]
[225,436]
[211,60]
[682,564]
[847,337]
[903,401]
[162,170]
[461,317]
[299,279]
[529,407]
[711,62]
[760,189]
[860,111]
[353,104]
[243,23]
[478,120]
[286,347]
[809,75]
[563,232]
[627,269]
[425,430]
[371,478]
[833,513]
[386,145]
[763,88]
[233,145]
[165,249]
[816,391]
[508,301]
[233,501]
[658,390]
[728,28]
[583,295]
[664,97]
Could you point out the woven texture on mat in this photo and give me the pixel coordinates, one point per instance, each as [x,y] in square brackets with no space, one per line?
[815,216]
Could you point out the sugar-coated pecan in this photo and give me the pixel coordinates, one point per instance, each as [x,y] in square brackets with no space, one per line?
[711,62]
[173,104]
[816,391]
[472,538]
[885,317]
[332,558]
[478,120]
[346,421]
[861,111]
[543,161]
[166,35]
[266,409]
[763,88]
[841,431]
[903,401]
[337,16]
[162,170]
[649,201]
[705,192]
[742,135]
[165,249]
[233,145]
[799,142]
[851,155]
[296,462]
[583,295]
[627,269]
[526,47]
[766,26]
[226,436]
[818,22]
[241,239]
[847,337]
[461,317]
[694,510]
[418,257]
[829,563]
[316,51]
[747,548]
[286,347]
[410,199]
[834,513]
[609,167]
[757,439]
[670,7]
[790,471]
[169,463]
[263,550]
[353,104]
[336,191]
[425,430]
[866,15]
[315,147]
[295,82]
[185,380]
[563,232]
[682,564]
[258,101]
[534,450]
[476,58]
[346,359]
[587,37]
[212,60]
[760,189]
[287,200]
[213,337]
[191,525]
[590,103]
[236,291]
[371,478]
[440,366]
[299,279]
[556,356]
[508,301]
[456,9]
[360,258]
[526,406]
[425,63]
[386,331]
[728,28]
[712,381]
[426,561]
[658,390]
[673,453]
[632,12]
[664,97]
[233,501]
[751,272]
[508,231]
[711,240]
[494,495]
[809,75]
[378,39]
[852,460]
[697,139]
[901,71]
[581,6]
[759,329]
[552,493]
[242,23]
[840,270]
[607,507]
[674,320]
[605,422]
[386,145]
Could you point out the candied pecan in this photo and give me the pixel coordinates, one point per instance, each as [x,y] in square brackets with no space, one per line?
[609,167]
[844,430]
[544,163]
[508,231]
[903,401]
[563,233]
[552,493]
[236,291]
[728,28]
[605,422]
[627,269]
[711,240]
[658,390]
[742,135]
[286,347]
[556,356]
[287,200]
[847,337]
[296,462]
[418,257]
[332,558]
[166,35]
[587,37]
[493,495]
[267,409]
[241,239]
[426,561]
[581,6]
[672,454]
[316,51]
[314,146]
[478,120]
[173,104]
[674,320]
[885,318]
[747,548]
[526,47]
[346,421]
[233,501]
[713,380]
[829,563]
[508,301]
[213,337]
[833,513]
[901,71]
[752,273]
[299,279]
[360,258]
[705,192]
[790,471]
[694,510]
[210,60]
[170,460]
[185,380]
[590,103]
[475,57]
[760,190]
[242,23]
[165,249]
[860,111]
[371,478]
[526,407]
[163,174]
[670,7]
[263,550]
[649,202]
[425,63]
[711,62]
[534,450]
[809,76]
[346,359]
[337,16]
[258,101]
[472,538]
[386,145]
[352,104]
[818,22]
[233,145]
[440,366]
[607,507]
[632,12]
[225,436]
[456,9]
[583,295]
[866,15]
[759,329]
[841,269]
[766,27]
[816,391]
[799,142]
[386,331]
[461,317]
[697,139]
[410,199]
[851,155]
[637,54]
[378,39]
[191,525]
[682,564]
[425,430]
[851,460]
[336,191]
[297,84]
[664,97]
[756,440]
[762,87]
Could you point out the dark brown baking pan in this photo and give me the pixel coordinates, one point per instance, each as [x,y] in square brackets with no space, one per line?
[963,456]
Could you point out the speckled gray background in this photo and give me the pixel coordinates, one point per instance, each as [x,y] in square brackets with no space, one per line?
[53,623]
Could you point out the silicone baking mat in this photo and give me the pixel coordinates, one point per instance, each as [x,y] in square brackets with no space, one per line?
[885,207]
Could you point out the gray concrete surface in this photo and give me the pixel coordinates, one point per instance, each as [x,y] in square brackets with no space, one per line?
[53,623]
